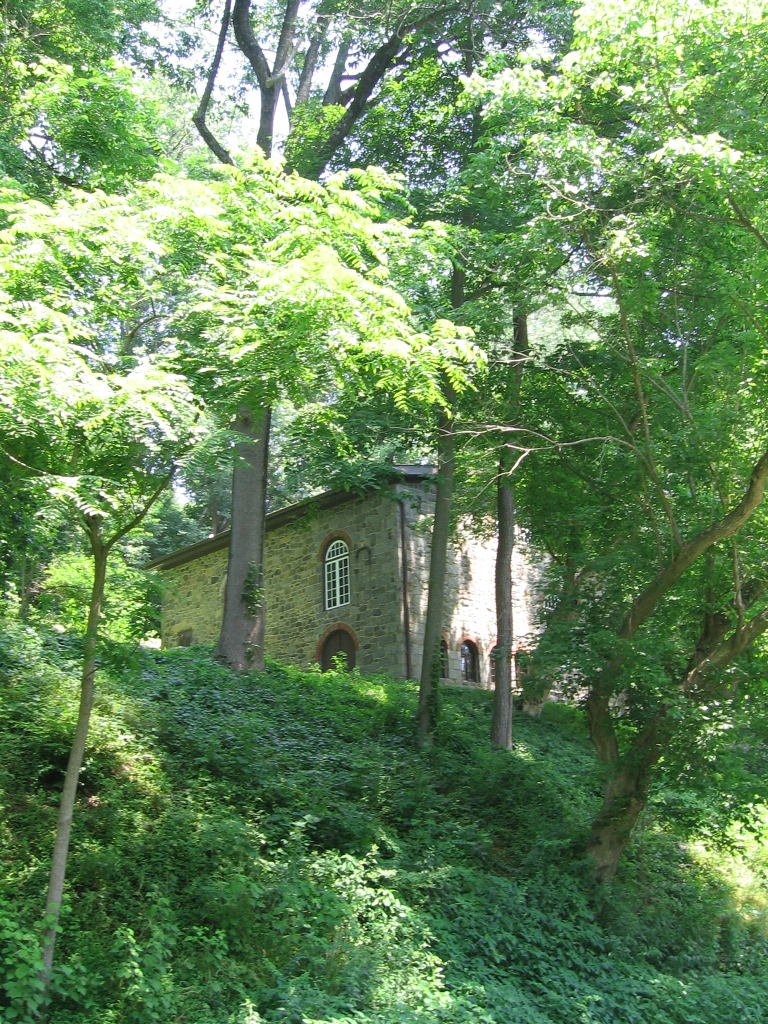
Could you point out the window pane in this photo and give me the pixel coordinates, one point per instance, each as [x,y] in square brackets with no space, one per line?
[337,590]
[343,573]
[330,585]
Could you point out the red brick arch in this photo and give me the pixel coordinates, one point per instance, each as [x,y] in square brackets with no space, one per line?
[332,629]
[330,538]
[473,640]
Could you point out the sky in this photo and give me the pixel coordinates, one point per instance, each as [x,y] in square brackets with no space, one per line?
[230,75]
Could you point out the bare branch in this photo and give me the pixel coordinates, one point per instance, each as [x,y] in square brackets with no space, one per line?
[333,92]
[248,43]
[310,63]
[198,118]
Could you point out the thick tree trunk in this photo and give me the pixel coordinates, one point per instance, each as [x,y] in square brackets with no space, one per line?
[241,642]
[438,561]
[625,797]
[67,804]
[269,97]
[626,786]
[501,722]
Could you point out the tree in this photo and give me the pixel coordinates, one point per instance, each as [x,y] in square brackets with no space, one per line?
[71,111]
[294,305]
[108,445]
[426,128]
[414,52]
[644,147]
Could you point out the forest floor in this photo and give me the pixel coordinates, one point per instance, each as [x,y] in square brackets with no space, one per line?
[272,847]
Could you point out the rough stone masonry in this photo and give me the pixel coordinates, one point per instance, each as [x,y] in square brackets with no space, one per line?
[387,533]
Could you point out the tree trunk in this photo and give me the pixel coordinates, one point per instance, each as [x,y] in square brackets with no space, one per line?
[438,561]
[438,553]
[67,804]
[625,797]
[269,97]
[501,722]
[26,579]
[626,786]
[241,642]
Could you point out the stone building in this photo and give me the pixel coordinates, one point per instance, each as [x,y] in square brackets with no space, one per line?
[349,574]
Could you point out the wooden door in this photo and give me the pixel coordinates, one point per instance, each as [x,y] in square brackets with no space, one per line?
[339,642]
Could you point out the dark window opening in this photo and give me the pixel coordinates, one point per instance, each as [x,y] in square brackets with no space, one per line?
[494,652]
[339,645]
[443,658]
[469,662]
[184,639]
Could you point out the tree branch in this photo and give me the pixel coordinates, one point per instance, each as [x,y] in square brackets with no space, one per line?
[745,222]
[645,602]
[248,43]
[198,118]
[133,523]
[370,77]
[333,92]
[310,63]
[285,48]
[644,410]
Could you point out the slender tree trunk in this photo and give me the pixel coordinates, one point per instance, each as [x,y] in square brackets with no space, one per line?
[67,804]
[26,577]
[438,553]
[198,118]
[241,642]
[438,562]
[501,722]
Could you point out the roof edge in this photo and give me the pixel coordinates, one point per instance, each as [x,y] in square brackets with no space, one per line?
[280,517]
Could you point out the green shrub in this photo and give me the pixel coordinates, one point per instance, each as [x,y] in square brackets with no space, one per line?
[273,848]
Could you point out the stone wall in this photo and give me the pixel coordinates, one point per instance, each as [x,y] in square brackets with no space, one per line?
[469,603]
[193,599]
[296,616]
[297,620]
[293,569]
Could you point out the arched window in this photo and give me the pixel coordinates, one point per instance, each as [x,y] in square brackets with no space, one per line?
[469,662]
[336,575]
[443,658]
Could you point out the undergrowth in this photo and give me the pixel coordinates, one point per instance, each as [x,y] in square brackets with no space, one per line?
[272,847]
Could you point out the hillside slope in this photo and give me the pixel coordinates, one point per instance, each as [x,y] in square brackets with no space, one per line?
[273,847]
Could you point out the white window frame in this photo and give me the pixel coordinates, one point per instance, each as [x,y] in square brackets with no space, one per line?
[336,575]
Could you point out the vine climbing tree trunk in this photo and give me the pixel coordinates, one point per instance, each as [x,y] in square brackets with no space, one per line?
[241,642]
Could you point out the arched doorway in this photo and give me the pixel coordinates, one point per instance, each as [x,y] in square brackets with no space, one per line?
[469,661]
[338,642]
